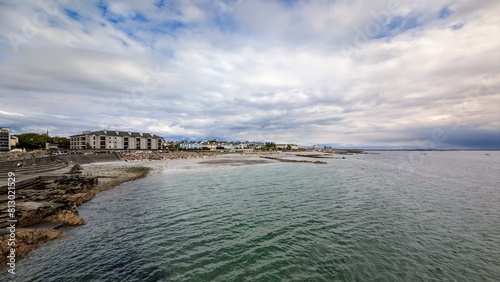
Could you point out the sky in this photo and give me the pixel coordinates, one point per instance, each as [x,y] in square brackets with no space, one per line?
[368,74]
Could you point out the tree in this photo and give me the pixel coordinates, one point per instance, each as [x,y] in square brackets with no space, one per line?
[32,140]
[173,145]
[270,144]
[62,142]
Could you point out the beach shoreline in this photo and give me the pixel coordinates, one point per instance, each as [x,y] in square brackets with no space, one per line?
[40,217]
[41,222]
[40,212]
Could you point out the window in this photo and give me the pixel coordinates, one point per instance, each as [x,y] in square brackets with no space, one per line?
[125,142]
[138,143]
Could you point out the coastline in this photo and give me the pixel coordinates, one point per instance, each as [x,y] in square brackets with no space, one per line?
[40,217]
[43,216]
[38,222]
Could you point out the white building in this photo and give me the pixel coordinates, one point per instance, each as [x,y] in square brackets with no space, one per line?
[14,140]
[116,140]
[288,147]
[191,145]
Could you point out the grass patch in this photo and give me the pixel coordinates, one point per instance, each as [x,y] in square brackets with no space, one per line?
[138,169]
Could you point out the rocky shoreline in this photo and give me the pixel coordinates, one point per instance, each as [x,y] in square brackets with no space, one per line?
[128,157]
[292,161]
[52,203]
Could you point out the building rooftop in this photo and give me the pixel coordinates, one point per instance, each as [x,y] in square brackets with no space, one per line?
[117,133]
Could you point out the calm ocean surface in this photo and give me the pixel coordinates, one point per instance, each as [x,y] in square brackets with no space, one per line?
[405,217]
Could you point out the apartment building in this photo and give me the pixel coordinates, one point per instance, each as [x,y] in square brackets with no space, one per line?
[4,139]
[116,140]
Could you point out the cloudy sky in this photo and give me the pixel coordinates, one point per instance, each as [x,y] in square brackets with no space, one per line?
[389,73]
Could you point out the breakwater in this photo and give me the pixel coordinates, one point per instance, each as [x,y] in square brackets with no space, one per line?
[168,156]
[292,161]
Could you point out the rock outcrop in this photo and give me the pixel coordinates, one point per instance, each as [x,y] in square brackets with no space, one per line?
[27,241]
[53,201]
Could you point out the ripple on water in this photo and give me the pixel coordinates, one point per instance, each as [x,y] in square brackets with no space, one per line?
[293,222]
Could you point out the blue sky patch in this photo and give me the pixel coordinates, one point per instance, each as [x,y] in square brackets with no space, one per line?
[168,27]
[102,7]
[289,3]
[160,3]
[116,19]
[396,26]
[402,24]
[140,18]
[445,12]
[72,14]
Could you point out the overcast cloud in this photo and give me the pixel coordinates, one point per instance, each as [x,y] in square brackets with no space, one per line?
[349,73]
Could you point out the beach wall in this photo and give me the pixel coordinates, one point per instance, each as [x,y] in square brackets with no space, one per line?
[87,159]
[40,164]
[29,162]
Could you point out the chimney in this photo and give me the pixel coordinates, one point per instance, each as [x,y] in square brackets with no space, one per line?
[116,131]
[130,133]
[105,131]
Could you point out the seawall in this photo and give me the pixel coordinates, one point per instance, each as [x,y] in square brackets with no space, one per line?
[87,159]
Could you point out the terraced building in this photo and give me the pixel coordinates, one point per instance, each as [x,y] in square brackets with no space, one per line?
[116,140]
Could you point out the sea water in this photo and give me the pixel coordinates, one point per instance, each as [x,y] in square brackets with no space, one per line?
[389,216]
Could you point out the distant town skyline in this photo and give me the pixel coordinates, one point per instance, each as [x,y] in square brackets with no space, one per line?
[351,74]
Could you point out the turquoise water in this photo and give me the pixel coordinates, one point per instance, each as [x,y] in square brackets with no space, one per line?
[405,217]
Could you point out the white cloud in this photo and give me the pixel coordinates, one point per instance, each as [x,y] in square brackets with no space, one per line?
[258,68]
[9,113]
